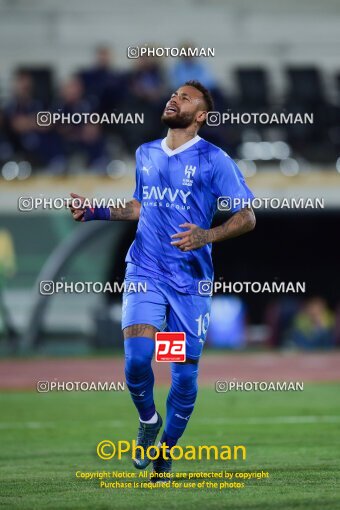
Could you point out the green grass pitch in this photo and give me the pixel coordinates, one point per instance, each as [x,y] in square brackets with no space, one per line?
[295,436]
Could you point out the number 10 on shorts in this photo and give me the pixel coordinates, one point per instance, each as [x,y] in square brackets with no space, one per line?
[170,346]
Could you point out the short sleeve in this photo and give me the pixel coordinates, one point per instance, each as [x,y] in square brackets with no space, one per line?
[228,182]
[138,190]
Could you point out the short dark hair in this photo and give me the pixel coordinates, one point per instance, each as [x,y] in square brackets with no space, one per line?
[209,102]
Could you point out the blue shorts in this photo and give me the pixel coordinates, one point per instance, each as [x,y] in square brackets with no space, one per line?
[167,309]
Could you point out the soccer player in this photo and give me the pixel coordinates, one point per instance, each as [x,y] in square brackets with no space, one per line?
[178,182]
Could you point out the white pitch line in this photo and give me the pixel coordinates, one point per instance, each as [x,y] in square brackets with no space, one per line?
[27,425]
[277,420]
[111,423]
[47,425]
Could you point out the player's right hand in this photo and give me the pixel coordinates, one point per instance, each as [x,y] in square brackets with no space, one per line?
[77,211]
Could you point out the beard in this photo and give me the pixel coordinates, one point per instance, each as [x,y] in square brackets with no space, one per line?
[178,121]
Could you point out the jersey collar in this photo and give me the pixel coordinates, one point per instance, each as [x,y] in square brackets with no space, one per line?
[179,149]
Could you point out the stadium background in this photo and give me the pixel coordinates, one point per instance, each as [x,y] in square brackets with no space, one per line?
[269,57]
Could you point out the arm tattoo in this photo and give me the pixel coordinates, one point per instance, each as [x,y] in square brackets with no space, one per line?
[129,212]
[240,223]
[200,236]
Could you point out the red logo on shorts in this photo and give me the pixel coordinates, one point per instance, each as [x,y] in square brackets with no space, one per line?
[170,346]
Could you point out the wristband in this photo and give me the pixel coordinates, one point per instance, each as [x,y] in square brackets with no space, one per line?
[96,213]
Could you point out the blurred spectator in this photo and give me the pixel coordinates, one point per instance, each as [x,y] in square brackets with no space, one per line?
[27,140]
[96,78]
[147,81]
[103,85]
[313,326]
[20,118]
[84,138]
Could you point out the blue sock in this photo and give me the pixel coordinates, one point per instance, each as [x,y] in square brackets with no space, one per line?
[139,375]
[181,401]
[169,441]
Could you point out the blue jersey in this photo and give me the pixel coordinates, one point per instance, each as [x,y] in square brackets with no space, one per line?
[174,187]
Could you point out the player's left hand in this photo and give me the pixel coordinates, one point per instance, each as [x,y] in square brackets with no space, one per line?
[191,239]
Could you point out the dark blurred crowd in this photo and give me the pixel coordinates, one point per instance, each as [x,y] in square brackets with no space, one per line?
[144,88]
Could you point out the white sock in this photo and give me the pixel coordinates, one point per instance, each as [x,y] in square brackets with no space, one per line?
[152,420]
